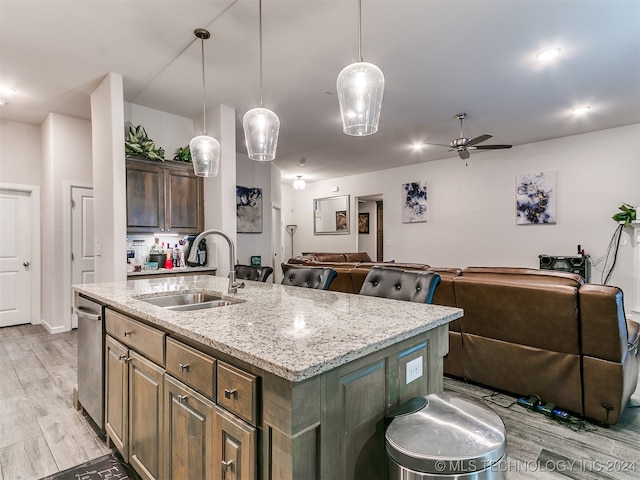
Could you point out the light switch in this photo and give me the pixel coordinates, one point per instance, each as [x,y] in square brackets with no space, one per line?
[98,249]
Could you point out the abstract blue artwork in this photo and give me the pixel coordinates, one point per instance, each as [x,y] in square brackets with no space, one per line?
[249,209]
[536,198]
[414,202]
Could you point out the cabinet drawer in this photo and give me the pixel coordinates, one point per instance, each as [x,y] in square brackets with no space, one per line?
[191,367]
[145,340]
[237,391]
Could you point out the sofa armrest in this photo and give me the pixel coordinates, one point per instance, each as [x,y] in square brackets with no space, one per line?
[634,335]
[604,329]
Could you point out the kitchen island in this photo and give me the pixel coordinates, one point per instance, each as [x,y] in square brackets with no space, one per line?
[298,381]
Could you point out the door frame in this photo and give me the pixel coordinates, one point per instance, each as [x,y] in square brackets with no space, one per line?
[68,186]
[35,256]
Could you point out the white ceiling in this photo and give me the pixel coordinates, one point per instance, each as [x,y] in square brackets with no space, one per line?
[439,58]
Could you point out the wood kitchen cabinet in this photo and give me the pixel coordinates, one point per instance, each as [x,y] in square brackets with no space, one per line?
[163,197]
[135,393]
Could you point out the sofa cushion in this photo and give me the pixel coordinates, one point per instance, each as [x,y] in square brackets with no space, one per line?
[532,275]
[543,316]
[522,370]
[444,294]
[357,257]
[329,257]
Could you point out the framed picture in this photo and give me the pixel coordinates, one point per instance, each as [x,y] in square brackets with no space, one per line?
[341,220]
[363,222]
[414,202]
[536,198]
[249,209]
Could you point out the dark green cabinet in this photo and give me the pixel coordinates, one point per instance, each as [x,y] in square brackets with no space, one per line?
[163,197]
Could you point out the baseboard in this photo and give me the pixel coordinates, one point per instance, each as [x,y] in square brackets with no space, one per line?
[52,330]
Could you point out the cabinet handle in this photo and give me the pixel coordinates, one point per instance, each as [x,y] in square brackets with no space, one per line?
[226,465]
[230,393]
[183,366]
[182,398]
[128,333]
[124,358]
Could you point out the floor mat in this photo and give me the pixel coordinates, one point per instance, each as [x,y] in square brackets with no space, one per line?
[109,467]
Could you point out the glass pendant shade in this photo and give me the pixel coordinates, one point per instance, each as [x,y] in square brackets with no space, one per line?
[360,88]
[205,155]
[299,184]
[261,128]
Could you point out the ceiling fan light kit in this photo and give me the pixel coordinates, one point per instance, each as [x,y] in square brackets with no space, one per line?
[205,150]
[261,125]
[360,87]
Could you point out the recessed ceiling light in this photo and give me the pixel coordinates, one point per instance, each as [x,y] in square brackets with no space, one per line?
[417,146]
[581,110]
[2,101]
[548,53]
[4,91]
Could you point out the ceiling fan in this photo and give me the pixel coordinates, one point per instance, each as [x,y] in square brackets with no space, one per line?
[462,145]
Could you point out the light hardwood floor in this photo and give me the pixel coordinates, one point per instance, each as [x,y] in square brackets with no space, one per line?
[41,433]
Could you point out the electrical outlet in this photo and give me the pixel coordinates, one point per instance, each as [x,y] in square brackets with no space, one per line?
[624,239]
[414,369]
[98,251]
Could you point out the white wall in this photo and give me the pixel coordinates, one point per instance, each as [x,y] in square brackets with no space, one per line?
[66,160]
[165,129]
[250,173]
[471,209]
[20,153]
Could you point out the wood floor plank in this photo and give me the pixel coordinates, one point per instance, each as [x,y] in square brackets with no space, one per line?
[17,421]
[28,460]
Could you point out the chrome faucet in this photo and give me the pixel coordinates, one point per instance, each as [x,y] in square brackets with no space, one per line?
[233,285]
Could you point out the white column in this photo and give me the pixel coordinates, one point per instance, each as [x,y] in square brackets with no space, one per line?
[635,312]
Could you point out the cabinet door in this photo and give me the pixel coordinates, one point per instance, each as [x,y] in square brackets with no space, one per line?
[146,388]
[145,197]
[188,424]
[184,201]
[235,447]
[117,395]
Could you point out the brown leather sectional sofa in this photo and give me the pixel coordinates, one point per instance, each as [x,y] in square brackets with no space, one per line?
[527,331]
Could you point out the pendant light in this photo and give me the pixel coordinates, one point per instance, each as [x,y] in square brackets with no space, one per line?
[299,184]
[360,88]
[261,125]
[205,150]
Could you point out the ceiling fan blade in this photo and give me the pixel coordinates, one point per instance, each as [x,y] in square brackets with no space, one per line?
[464,154]
[491,147]
[436,144]
[479,139]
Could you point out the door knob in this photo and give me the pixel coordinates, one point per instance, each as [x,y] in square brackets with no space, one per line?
[25,264]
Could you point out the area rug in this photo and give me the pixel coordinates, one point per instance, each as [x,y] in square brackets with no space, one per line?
[109,467]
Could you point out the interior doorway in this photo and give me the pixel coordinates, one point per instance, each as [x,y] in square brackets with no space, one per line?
[16,264]
[277,249]
[82,244]
[370,230]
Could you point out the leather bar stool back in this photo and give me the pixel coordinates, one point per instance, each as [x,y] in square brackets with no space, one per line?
[249,272]
[410,285]
[318,278]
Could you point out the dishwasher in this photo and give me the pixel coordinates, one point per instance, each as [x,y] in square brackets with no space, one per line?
[91,358]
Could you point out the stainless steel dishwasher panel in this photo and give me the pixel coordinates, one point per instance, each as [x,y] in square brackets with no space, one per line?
[91,358]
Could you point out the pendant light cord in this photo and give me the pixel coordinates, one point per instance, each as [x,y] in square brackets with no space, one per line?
[261,78]
[360,30]
[204,96]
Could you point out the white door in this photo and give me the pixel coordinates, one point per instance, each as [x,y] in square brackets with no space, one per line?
[276,244]
[15,248]
[82,256]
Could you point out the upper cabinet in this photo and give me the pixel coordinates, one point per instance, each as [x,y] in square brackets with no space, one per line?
[163,197]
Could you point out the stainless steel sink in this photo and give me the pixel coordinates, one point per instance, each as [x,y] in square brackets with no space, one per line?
[188,301]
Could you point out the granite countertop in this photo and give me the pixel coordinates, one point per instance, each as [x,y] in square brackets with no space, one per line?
[293,332]
[175,270]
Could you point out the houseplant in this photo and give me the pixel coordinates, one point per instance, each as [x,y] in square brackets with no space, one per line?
[626,215]
[138,144]
[183,154]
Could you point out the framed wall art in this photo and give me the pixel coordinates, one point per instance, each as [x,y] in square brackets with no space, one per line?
[249,209]
[536,198]
[414,202]
[363,222]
